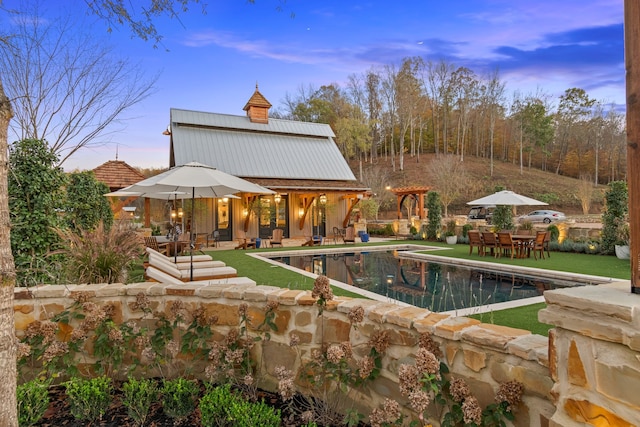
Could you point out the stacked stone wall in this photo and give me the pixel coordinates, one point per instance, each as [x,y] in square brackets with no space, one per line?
[484,355]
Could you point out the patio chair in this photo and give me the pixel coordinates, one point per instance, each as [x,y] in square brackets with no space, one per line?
[507,246]
[547,240]
[350,235]
[490,242]
[214,237]
[244,242]
[337,235]
[475,240]
[538,244]
[276,238]
[152,243]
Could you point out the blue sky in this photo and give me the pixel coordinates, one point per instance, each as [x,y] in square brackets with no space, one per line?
[212,62]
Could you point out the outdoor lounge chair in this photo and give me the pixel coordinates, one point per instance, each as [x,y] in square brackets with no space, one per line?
[183,262]
[313,240]
[276,239]
[244,242]
[155,275]
[350,235]
[182,270]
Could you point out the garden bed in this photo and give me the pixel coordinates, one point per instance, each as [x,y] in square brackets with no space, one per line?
[59,413]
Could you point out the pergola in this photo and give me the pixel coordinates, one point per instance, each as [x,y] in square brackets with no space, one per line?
[416,192]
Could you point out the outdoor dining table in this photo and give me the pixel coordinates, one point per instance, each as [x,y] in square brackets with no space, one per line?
[524,244]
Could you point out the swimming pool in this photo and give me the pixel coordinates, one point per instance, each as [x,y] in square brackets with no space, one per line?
[437,283]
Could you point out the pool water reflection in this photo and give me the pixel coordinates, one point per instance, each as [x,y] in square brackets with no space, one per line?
[427,284]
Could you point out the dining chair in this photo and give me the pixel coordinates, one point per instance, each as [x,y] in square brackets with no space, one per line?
[538,244]
[507,246]
[475,240]
[490,242]
[547,240]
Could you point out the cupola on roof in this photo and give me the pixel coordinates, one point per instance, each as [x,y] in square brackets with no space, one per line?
[257,107]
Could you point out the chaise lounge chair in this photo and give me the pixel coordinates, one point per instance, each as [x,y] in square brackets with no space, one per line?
[203,267]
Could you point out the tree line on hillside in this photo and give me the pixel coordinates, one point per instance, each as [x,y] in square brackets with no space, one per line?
[426,106]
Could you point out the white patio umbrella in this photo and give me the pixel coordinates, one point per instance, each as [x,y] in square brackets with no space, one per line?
[506,198]
[195,180]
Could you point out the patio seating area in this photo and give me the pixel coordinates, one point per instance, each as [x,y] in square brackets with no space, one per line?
[507,244]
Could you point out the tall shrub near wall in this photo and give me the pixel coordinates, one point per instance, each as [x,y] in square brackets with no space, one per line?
[434,215]
[615,210]
[36,201]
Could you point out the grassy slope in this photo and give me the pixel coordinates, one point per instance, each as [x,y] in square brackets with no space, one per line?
[533,183]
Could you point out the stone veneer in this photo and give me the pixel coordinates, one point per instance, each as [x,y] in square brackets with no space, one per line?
[594,355]
[483,354]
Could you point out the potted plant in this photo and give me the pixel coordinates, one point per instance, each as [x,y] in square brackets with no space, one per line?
[525,227]
[450,232]
[622,242]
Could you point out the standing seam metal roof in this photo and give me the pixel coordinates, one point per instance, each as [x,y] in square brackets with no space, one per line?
[280,149]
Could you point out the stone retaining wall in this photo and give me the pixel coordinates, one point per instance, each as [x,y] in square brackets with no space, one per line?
[483,354]
[586,373]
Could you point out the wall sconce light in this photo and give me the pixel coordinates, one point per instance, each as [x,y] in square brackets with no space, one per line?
[180,213]
[323,199]
[173,213]
[225,200]
[390,278]
[277,198]
[245,212]
[301,212]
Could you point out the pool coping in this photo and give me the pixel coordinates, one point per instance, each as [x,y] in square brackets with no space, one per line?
[409,253]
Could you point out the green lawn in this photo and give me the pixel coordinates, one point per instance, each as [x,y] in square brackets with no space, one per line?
[523,317]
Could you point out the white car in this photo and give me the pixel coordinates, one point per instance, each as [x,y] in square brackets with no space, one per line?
[545,216]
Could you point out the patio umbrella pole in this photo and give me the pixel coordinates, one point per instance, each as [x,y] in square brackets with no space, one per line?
[193,202]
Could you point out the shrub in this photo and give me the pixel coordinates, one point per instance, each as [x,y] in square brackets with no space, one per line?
[465,230]
[221,407]
[179,397]
[214,406]
[138,397]
[89,399]
[615,211]
[434,215]
[99,255]
[554,232]
[33,401]
[36,195]
[86,205]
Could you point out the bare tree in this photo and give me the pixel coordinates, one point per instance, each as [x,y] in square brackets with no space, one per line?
[66,89]
[585,193]
[8,403]
[493,94]
[449,178]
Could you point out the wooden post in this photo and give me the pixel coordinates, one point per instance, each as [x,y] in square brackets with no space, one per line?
[632,65]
